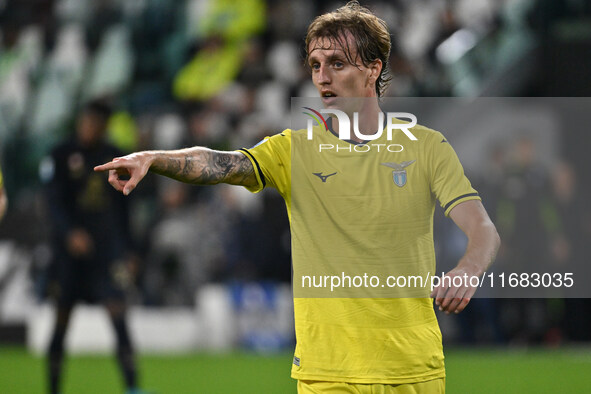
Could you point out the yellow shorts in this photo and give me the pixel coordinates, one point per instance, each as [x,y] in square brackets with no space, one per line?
[436,386]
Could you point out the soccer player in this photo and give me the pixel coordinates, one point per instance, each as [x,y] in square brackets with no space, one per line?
[91,238]
[352,210]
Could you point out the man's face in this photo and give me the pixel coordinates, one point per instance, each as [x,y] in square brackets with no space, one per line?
[335,77]
[91,128]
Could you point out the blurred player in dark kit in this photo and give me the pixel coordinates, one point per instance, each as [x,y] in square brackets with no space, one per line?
[90,237]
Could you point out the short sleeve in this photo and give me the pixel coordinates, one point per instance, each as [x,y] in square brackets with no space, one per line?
[271,159]
[449,184]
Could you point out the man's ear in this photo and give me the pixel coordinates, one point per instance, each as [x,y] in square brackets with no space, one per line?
[375,68]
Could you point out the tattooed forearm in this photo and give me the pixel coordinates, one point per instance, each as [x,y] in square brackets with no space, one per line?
[239,170]
[204,166]
[166,165]
[188,167]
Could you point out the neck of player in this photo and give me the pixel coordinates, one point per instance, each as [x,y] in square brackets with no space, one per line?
[368,119]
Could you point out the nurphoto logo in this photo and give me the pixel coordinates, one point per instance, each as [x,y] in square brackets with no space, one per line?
[345,124]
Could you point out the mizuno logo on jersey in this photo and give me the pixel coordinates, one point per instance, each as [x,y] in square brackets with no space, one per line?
[399,173]
[323,177]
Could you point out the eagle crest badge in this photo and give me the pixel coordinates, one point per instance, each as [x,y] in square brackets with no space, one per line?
[399,173]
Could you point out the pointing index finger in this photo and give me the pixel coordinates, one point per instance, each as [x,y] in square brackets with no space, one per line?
[107,166]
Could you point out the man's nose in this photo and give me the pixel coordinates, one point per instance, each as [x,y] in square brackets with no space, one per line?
[323,75]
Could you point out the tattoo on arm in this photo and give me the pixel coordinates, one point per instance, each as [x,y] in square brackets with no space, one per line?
[204,166]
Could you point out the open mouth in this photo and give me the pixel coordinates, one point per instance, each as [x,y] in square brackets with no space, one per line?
[328,94]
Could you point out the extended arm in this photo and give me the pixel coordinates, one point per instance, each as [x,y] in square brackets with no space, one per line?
[483,243]
[198,165]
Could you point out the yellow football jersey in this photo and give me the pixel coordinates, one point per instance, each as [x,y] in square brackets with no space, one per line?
[360,209]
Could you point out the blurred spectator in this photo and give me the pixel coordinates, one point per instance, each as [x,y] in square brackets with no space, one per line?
[223,31]
[448,26]
[569,247]
[112,66]
[522,209]
[522,213]
[211,70]
[234,20]
[188,244]
[271,228]
[122,131]
[15,67]
[91,240]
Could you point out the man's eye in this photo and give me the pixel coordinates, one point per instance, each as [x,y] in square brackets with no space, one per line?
[315,66]
[339,64]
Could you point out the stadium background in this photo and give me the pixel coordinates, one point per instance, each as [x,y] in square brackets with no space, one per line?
[215,261]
